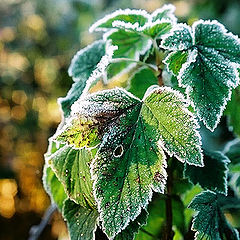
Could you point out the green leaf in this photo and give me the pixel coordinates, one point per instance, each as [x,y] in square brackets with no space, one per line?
[133,227]
[175,60]
[81,222]
[95,60]
[157,218]
[82,66]
[130,45]
[155,221]
[232,151]
[157,29]
[150,30]
[210,221]
[53,187]
[141,81]
[85,61]
[233,111]
[138,17]
[73,95]
[211,69]
[180,38]
[165,12]
[130,162]
[213,175]
[71,167]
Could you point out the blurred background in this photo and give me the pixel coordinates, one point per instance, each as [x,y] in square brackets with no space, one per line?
[37,41]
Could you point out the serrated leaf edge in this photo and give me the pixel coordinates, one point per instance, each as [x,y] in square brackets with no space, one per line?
[96,225]
[76,56]
[177,27]
[127,11]
[219,115]
[225,32]
[137,53]
[136,28]
[138,211]
[192,116]
[169,7]
[226,161]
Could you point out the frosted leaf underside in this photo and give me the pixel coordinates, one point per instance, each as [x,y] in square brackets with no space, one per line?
[210,71]
[130,162]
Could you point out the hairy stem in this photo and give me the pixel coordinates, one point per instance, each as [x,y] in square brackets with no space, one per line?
[36,231]
[151,66]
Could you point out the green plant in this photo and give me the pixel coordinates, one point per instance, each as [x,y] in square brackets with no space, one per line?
[114,148]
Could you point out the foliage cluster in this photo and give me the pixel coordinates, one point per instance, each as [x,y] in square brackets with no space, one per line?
[116,148]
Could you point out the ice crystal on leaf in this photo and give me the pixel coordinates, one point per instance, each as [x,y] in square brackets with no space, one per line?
[211,72]
[130,162]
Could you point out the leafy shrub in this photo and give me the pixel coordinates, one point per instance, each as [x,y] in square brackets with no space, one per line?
[114,148]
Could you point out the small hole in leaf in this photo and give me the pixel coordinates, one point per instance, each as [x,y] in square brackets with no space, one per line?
[118,152]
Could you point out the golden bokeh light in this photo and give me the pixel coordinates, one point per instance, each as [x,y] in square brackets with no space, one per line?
[8,190]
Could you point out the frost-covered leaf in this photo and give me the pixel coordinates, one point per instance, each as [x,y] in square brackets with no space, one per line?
[157,29]
[165,12]
[233,111]
[141,81]
[81,222]
[53,187]
[175,60]
[130,162]
[157,218]
[73,95]
[232,151]
[211,69]
[71,167]
[85,61]
[82,67]
[137,17]
[130,45]
[209,97]
[210,222]
[180,38]
[133,227]
[213,175]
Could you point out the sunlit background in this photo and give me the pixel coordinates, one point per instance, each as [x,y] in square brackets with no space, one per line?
[37,40]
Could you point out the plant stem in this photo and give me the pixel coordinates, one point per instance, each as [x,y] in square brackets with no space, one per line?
[158,63]
[151,66]
[169,234]
[36,231]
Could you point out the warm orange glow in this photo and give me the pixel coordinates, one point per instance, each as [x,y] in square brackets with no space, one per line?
[182,8]
[7,34]
[8,189]
[18,113]
[19,97]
